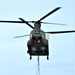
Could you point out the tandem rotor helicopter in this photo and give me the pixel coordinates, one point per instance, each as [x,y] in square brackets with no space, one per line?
[38,44]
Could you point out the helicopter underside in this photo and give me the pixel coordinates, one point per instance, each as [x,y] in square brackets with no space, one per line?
[38,50]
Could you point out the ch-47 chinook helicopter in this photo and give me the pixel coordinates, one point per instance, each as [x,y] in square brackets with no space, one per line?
[38,44]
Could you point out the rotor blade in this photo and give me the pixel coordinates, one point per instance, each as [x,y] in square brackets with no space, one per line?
[11,21]
[26,22]
[31,21]
[21,36]
[22,21]
[57,32]
[46,23]
[52,23]
[49,13]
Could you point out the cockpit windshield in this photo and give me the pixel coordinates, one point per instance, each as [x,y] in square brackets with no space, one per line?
[40,33]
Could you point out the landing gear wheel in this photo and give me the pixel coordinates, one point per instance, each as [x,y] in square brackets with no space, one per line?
[47,58]
[30,57]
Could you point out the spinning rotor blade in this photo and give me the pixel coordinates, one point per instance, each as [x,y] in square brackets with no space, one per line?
[26,23]
[21,36]
[46,23]
[57,32]
[52,23]
[49,13]
[29,22]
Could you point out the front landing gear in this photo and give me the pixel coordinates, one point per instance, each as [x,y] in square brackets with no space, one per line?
[47,57]
[30,57]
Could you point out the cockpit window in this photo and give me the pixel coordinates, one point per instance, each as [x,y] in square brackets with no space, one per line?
[40,33]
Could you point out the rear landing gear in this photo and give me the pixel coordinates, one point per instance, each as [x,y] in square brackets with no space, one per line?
[47,58]
[30,57]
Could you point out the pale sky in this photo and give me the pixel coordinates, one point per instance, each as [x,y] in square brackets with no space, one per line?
[14,59]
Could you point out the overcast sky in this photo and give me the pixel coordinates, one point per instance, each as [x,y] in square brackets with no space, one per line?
[14,59]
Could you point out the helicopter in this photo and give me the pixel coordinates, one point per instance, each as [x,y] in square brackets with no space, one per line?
[38,44]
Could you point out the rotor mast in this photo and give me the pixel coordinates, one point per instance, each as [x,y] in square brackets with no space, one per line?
[37,26]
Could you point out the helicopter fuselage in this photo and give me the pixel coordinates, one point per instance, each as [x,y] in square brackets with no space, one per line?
[38,45]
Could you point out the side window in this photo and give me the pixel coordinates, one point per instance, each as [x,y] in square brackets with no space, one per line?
[31,35]
[43,34]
